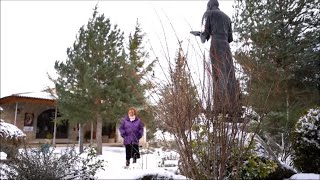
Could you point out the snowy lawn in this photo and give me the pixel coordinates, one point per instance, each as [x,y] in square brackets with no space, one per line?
[148,164]
[157,162]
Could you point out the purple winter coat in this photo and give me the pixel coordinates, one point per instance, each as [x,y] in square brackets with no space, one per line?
[131,131]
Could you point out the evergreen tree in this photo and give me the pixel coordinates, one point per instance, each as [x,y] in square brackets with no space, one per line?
[280,54]
[99,80]
[133,80]
[85,84]
[136,75]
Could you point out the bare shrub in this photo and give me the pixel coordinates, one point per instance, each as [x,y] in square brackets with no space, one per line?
[209,138]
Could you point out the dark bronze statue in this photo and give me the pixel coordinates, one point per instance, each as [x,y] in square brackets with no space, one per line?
[217,26]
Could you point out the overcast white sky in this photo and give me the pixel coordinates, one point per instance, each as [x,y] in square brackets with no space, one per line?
[34,34]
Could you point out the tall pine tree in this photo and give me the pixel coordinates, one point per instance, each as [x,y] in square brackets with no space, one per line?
[280,53]
[85,84]
[99,80]
[135,78]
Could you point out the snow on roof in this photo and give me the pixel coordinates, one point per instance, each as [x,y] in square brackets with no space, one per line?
[38,95]
[11,131]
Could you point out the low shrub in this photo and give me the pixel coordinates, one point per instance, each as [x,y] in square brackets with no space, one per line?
[306,142]
[37,163]
[253,166]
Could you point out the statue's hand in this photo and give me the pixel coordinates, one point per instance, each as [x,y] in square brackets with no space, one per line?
[195,33]
[203,38]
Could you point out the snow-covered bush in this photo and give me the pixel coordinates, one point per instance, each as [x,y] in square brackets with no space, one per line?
[11,137]
[255,160]
[10,131]
[306,142]
[35,163]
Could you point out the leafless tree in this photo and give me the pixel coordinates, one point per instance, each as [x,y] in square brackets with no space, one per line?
[210,141]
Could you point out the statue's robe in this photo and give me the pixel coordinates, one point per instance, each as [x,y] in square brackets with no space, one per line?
[217,26]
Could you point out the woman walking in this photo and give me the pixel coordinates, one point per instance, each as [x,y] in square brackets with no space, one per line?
[131,129]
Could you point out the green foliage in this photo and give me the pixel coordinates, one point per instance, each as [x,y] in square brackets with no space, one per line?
[49,136]
[99,77]
[306,142]
[34,163]
[278,52]
[99,80]
[147,117]
[85,83]
[136,83]
[252,166]
[257,167]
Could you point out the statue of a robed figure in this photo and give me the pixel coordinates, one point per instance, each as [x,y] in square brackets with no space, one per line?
[217,26]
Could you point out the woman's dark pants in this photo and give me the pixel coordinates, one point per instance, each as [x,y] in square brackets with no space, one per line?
[132,151]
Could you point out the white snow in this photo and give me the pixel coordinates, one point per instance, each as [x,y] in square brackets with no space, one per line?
[3,156]
[114,158]
[10,131]
[39,95]
[164,136]
[287,166]
[147,164]
[152,163]
[306,127]
[308,176]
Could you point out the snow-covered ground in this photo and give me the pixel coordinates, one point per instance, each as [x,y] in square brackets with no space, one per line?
[147,164]
[305,176]
[152,163]
[155,162]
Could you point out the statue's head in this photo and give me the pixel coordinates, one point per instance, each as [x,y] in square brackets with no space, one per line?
[212,4]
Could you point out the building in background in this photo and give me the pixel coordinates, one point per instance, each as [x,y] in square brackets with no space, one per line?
[34,113]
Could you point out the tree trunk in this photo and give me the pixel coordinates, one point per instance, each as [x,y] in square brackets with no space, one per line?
[55,127]
[81,138]
[99,134]
[91,134]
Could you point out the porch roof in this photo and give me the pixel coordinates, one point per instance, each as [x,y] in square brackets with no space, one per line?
[32,97]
